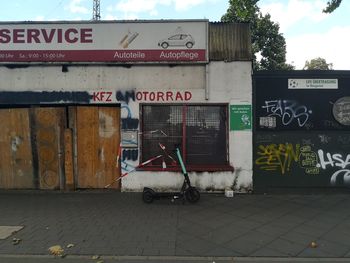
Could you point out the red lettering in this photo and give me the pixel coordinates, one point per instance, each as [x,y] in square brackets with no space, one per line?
[102,95]
[17,35]
[188,95]
[109,93]
[59,35]
[48,37]
[152,96]
[138,95]
[5,36]
[178,96]
[67,35]
[160,95]
[33,34]
[86,35]
[95,96]
[145,95]
[169,95]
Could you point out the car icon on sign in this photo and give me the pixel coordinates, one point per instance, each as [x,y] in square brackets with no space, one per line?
[185,40]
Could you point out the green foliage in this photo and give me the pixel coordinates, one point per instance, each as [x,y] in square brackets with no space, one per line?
[332,5]
[267,42]
[318,64]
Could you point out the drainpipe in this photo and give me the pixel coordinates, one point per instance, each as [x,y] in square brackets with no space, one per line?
[207,82]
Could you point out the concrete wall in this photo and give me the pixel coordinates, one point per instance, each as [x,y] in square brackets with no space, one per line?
[218,82]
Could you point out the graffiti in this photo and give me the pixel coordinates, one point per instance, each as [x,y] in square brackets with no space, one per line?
[129,132]
[128,123]
[279,157]
[130,154]
[308,160]
[341,174]
[126,96]
[37,97]
[288,111]
[328,160]
[333,160]
[324,138]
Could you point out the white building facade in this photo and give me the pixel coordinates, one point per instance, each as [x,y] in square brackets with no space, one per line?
[82,113]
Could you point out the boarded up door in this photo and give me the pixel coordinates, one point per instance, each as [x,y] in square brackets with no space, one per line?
[49,132]
[16,170]
[98,139]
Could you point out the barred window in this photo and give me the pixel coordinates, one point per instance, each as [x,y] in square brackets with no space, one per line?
[200,131]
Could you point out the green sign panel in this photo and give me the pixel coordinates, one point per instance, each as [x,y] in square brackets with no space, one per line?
[240,117]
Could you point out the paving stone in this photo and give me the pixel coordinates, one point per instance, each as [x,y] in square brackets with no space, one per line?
[244,246]
[286,247]
[121,224]
[6,231]
[300,238]
[268,252]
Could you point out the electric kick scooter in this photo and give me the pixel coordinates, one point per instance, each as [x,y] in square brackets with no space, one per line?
[187,192]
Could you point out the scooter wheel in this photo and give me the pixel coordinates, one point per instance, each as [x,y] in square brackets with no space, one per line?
[147,196]
[192,195]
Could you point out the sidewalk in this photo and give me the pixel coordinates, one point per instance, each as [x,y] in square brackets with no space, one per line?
[120,224]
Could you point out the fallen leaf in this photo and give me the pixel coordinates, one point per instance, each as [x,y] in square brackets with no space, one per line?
[56,250]
[313,244]
[70,245]
[95,257]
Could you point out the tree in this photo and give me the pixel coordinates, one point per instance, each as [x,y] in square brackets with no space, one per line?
[332,5]
[267,42]
[318,64]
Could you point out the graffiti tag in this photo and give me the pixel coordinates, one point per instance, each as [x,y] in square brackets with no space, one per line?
[275,157]
[288,111]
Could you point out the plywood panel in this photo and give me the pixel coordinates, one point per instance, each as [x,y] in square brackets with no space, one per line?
[49,130]
[16,163]
[98,138]
[68,159]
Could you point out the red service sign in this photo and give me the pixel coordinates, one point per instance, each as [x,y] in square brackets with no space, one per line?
[163,41]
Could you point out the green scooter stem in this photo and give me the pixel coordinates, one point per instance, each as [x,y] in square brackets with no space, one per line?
[180,160]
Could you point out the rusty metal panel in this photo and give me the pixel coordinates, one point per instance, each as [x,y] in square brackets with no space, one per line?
[98,139]
[49,130]
[16,169]
[229,42]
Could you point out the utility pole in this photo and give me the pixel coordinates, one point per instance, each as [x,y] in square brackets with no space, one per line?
[96,10]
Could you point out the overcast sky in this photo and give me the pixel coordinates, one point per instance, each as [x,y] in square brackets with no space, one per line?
[309,33]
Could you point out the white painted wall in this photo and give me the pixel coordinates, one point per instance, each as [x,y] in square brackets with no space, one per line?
[229,83]
[85,78]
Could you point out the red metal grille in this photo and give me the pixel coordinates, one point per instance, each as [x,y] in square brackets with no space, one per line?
[199,130]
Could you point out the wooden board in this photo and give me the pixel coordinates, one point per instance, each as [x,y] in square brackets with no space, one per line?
[49,132]
[68,159]
[98,139]
[16,163]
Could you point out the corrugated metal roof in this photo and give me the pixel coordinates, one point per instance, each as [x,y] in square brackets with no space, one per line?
[229,42]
